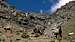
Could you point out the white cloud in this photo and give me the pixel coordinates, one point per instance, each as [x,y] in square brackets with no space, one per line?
[58,5]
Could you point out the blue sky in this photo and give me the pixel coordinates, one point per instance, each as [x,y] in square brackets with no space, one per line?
[33,5]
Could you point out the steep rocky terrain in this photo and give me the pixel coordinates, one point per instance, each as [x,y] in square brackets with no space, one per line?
[69,26]
[18,26]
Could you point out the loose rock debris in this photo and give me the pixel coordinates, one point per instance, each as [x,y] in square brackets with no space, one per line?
[16,26]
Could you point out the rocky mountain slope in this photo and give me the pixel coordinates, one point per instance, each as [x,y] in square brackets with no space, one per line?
[16,26]
[68,27]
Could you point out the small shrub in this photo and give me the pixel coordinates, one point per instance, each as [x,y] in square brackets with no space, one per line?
[52,41]
[18,39]
[24,35]
[2,40]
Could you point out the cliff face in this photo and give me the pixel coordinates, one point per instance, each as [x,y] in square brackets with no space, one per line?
[68,9]
[19,26]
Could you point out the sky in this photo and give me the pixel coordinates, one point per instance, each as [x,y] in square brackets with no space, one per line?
[46,6]
[33,5]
